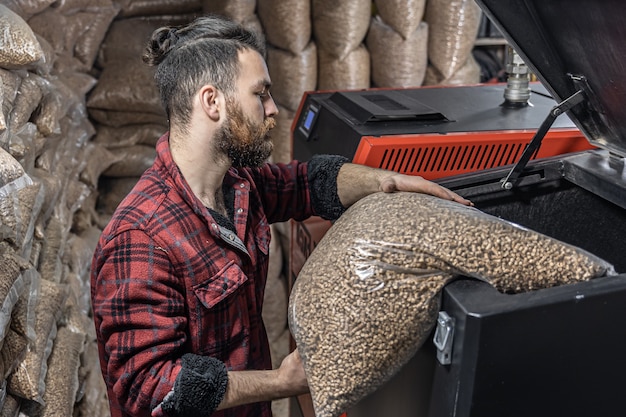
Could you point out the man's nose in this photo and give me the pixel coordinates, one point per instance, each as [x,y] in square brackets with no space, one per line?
[271,109]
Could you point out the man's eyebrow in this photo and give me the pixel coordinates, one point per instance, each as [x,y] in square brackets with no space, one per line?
[262,84]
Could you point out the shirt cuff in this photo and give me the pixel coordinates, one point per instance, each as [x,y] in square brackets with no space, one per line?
[322,178]
[199,388]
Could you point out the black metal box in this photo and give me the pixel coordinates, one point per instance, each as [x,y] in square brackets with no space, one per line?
[555,351]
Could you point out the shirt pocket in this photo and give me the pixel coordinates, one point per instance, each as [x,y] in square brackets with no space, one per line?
[221,317]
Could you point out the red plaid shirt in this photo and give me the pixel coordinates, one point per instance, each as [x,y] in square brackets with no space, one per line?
[167,279]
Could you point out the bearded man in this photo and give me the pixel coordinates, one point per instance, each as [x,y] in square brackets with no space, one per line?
[178,276]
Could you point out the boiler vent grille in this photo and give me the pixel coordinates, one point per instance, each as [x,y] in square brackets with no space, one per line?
[416,160]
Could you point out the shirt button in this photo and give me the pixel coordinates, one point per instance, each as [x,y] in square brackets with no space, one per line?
[242,185]
[239,210]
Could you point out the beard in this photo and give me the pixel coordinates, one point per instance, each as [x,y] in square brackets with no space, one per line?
[246,143]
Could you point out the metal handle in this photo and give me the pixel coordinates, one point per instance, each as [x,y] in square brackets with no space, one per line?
[444,334]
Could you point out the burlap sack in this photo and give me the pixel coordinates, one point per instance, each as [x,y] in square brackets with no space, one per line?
[287,23]
[453,29]
[292,74]
[340,26]
[396,61]
[351,72]
[402,15]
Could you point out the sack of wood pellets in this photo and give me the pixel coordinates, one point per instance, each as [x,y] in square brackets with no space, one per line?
[20,48]
[453,26]
[368,296]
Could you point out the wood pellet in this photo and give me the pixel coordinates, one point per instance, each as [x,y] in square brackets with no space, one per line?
[377,274]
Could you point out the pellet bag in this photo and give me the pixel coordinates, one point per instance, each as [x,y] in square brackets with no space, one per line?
[367,298]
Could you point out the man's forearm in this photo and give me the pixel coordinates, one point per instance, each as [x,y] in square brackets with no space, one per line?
[357,181]
[245,387]
[253,386]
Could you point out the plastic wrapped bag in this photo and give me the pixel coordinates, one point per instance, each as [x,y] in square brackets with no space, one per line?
[292,74]
[157,7]
[340,26]
[9,86]
[62,377]
[10,168]
[397,61]
[28,380]
[118,137]
[453,27]
[13,281]
[20,205]
[237,10]
[404,16]
[368,296]
[287,23]
[11,406]
[350,73]
[20,48]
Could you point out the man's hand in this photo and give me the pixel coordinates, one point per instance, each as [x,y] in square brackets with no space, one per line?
[401,182]
[356,181]
[244,387]
[292,371]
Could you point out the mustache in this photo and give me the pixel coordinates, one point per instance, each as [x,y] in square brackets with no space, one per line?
[269,123]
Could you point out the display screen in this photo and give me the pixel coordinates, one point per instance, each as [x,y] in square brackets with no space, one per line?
[310,116]
[308,120]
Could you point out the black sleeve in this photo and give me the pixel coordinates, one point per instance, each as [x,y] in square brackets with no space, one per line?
[199,387]
[322,177]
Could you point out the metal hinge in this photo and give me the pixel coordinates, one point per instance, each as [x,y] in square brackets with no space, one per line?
[444,334]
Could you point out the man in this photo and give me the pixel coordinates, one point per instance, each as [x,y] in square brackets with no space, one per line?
[179,273]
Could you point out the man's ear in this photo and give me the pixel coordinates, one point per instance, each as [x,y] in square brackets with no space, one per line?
[211,101]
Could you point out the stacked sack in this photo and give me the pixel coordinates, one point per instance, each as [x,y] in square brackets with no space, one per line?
[124,105]
[453,27]
[48,224]
[398,43]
